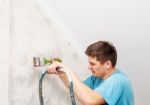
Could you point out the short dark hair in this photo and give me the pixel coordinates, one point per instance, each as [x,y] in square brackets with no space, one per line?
[103,51]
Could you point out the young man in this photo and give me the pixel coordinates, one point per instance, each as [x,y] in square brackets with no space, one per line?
[107,85]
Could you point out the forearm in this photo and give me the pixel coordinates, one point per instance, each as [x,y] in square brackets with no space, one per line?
[84,94]
[76,83]
[64,79]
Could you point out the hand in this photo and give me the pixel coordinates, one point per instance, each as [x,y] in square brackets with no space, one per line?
[56,68]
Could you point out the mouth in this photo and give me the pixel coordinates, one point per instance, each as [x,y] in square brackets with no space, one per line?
[92,71]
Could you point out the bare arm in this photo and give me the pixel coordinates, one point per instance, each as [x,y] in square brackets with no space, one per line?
[84,94]
[64,79]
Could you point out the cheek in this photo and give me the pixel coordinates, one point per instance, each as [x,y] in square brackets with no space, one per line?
[97,68]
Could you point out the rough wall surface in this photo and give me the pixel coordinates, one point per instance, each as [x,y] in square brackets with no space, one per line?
[35,34]
[4,50]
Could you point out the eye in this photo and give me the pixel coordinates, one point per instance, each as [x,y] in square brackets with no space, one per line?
[91,63]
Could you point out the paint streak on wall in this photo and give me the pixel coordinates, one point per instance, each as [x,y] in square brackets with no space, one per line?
[35,34]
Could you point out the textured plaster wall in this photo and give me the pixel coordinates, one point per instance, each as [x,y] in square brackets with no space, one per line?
[35,33]
[4,50]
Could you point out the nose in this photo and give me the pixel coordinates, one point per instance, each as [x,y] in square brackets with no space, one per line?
[89,67]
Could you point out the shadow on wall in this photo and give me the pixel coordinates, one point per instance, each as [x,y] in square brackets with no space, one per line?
[35,34]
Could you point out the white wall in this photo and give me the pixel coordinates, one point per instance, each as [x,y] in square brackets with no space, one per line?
[4,51]
[36,32]
[125,23]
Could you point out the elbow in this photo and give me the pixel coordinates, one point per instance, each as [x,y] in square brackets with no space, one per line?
[84,103]
[87,102]
[92,101]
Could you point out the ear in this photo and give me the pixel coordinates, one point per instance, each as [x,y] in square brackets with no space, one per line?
[108,64]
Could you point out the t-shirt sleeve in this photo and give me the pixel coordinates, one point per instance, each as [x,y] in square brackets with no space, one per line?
[110,90]
[88,82]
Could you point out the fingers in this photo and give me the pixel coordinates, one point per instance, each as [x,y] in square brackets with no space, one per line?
[55,68]
[52,69]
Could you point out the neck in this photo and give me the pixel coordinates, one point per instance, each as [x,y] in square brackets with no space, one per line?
[109,73]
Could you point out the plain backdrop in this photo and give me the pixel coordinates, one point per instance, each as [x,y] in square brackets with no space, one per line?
[126,23]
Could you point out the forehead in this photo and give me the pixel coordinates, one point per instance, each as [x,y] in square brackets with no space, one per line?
[92,59]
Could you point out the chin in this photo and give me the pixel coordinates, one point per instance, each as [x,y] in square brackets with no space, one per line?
[94,75]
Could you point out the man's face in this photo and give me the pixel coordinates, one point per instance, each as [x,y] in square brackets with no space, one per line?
[96,67]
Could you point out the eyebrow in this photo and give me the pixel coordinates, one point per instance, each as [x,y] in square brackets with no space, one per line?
[92,63]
